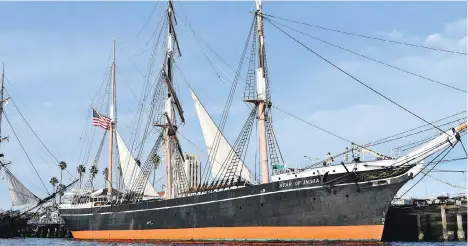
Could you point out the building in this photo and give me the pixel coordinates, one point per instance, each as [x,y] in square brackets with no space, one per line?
[192,168]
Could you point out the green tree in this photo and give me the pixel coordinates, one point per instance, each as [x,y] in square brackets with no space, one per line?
[81,170]
[93,171]
[63,166]
[155,159]
[106,174]
[53,181]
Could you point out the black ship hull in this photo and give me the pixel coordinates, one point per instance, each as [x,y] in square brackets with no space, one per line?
[292,210]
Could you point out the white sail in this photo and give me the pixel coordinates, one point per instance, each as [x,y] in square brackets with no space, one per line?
[19,194]
[210,130]
[130,170]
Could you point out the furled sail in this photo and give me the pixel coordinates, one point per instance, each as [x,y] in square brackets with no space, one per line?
[210,130]
[130,169]
[19,194]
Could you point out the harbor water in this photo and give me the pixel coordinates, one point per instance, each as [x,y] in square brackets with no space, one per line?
[71,242]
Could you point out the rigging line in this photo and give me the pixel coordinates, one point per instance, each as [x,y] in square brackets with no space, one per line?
[130,60]
[196,36]
[146,90]
[106,74]
[448,171]
[228,102]
[161,21]
[24,150]
[411,134]
[321,129]
[370,144]
[35,134]
[149,18]
[141,53]
[208,58]
[372,59]
[425,174]
[354,78]
[133,94]
[365,36]
[414,144]
[447,183]
[463,146]
[451,160]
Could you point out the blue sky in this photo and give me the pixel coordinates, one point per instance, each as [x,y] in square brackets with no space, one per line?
[55,55]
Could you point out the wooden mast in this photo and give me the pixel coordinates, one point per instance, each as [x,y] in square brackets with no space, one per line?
[111,126]
[169,109]
[1,99]
[262,97]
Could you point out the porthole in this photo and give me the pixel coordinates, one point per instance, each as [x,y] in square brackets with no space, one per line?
[315,198]
[347,195]
[295,175]
[333,170]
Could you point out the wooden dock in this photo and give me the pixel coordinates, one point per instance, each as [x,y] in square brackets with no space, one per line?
[435,222]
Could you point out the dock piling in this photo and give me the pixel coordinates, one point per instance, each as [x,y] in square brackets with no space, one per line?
[460,232]
[420,233]
[444,222]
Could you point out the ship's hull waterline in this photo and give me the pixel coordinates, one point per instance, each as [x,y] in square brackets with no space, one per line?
[300,209]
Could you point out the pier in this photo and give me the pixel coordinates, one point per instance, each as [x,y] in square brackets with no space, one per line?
[426,220]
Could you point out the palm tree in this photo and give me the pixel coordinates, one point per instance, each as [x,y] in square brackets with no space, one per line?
[61,189]
[53,181]
[63,166]
[106,174]
[93,171]
[81,170]
[156,160]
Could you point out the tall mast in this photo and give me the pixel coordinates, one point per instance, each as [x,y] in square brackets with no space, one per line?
[1,99]
[111,126]
[169,107]
[261,103]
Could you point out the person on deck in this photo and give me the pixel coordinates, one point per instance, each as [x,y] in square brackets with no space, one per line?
[346,155]
[329,159]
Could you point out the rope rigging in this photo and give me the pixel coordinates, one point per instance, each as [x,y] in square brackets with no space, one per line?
[411,134]
[369,58]
[354,78]
[148,20]
[308,123]
[419,127]
[24,151]
[214,149]
[35,134]
[432,161]
[82,198]
[447,183]
[228,171]
[366,36]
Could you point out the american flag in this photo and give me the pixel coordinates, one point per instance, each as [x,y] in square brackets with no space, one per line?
[100,120]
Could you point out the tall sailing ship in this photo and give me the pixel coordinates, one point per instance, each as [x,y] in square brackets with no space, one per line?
[343,201]
[22,199]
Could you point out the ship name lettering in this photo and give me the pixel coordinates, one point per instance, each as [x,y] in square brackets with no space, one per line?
[310,181]
[285,184]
